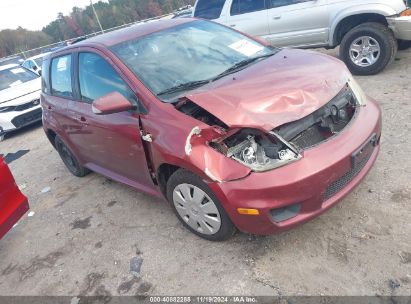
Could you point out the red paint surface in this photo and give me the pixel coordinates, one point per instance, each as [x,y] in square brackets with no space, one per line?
[13,204]
[281,89]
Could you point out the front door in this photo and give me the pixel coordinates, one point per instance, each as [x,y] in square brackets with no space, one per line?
[110,144]
[298,23]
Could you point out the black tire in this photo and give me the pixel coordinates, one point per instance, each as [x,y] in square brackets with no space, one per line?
[227,228]
[404,45]
[69,159]
[382,34]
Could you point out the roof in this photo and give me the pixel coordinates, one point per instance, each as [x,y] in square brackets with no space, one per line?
[133,32]
[8,66]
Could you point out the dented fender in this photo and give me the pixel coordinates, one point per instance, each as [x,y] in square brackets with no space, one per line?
[215,165]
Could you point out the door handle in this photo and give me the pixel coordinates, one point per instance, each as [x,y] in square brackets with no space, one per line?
[83,119]
[233,25]
[277,17]
[49,107]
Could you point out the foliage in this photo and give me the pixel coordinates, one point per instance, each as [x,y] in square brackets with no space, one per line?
[82,21]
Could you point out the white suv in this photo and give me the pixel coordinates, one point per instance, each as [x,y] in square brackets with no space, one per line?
[19,98]
[367,30]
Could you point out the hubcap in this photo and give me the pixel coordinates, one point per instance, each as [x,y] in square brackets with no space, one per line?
[197,209]
[365,51]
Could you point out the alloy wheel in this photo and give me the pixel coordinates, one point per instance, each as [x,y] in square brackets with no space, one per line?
[365,51]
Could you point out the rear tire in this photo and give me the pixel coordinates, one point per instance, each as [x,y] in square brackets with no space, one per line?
[372,57]
[197,207]
[69,159]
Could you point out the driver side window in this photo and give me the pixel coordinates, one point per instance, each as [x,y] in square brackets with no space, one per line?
[98,78]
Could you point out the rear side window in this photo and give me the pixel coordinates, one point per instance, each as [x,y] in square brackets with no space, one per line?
[61,76]
[98,78]
[209,9]
[239,7]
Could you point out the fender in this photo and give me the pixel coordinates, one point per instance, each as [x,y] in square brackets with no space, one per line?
[380,9]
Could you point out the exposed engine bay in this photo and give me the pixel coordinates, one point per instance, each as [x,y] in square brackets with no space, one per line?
[324,123]
[265,151]
[258,151]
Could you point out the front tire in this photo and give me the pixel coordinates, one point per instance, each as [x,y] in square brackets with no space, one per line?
[71,162]
[197,207]
[368,48]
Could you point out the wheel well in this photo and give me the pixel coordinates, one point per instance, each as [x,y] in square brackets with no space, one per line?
[348,23]
[164,172]
[51,135]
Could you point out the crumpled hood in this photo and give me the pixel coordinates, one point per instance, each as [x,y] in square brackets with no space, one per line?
[283,88]
[19,92]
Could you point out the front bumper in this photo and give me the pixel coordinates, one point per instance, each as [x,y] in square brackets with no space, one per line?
[401,27]
[317,182]
[14,120]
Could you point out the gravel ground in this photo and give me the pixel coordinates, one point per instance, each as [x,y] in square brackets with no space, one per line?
[90,236]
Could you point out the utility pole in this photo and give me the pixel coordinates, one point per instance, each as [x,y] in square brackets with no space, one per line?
[95,14]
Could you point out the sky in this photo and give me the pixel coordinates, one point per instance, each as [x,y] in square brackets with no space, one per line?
[34,14]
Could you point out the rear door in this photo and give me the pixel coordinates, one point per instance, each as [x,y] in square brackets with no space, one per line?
[298,22]
[57,91]
[248,16]
[110,144]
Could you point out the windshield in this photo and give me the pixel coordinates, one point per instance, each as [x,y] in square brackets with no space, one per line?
[15,76]
[188,53]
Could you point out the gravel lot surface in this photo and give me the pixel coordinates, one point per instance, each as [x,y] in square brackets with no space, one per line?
[90,236]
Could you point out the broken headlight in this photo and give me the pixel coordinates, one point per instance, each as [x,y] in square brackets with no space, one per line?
[358,91]
[258,151]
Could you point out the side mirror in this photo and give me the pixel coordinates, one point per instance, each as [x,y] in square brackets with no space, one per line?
[111,103]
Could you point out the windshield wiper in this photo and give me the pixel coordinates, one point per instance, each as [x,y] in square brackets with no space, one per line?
[184,86]
[239,65]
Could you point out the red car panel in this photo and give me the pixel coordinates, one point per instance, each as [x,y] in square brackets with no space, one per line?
[13,204]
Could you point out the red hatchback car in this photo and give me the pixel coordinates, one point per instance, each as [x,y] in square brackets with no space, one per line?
[233,132]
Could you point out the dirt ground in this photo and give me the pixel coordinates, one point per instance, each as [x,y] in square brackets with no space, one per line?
[89,236]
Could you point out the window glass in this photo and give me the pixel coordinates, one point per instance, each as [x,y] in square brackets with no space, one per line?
[31,64]
[15,76]
[194,51]
[278,3]
[26,64]
[209,9]
[98,78]
[61,76]
[39,61]
[246,6]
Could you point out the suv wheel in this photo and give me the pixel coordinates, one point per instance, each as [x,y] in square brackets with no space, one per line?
[368,48]
[69,159]
[197,207]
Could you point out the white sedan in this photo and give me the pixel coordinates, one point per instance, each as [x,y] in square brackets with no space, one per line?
[19,98]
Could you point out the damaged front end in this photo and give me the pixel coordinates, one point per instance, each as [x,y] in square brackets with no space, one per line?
[323,124]
[260,150]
